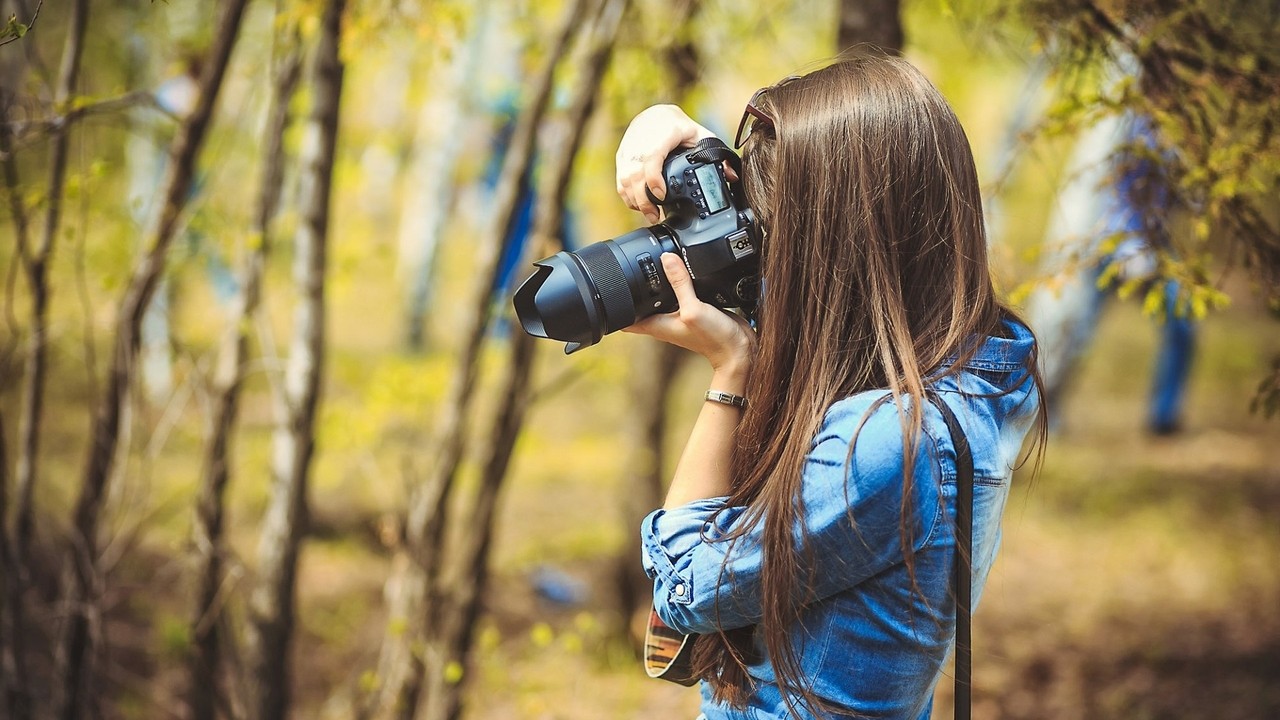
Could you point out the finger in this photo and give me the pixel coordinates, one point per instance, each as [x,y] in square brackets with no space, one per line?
[627,198]
[644,205]
[653,178]
[729,172]
[631,186]
[681,283]
[652,325]
[638,185]
[657,327]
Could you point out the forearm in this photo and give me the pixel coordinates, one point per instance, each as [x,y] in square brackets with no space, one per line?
[705,466]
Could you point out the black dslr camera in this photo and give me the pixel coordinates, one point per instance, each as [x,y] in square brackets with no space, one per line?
[583,296]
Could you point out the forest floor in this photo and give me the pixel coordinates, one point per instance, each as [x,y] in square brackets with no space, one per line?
[1138,576]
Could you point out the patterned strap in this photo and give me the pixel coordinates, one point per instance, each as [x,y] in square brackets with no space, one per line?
[667,653]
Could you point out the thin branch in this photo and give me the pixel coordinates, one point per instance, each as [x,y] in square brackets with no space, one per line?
[30,26]
[138,98]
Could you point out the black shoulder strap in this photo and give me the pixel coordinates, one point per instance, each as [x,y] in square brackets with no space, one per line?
[962,577]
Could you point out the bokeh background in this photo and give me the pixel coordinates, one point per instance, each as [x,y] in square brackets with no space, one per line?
[461,541]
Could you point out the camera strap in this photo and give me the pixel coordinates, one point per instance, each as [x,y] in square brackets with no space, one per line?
[713,150]
[962,572]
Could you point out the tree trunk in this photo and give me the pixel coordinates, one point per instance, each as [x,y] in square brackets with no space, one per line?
[272,605]
[446,703]
[432,185]
[82,587]
[413,616]
[14,690]
[36,263]
[206,623]
[877,22]
[14,698]
[651,375]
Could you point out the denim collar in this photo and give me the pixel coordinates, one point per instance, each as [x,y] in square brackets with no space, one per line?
[1001,354]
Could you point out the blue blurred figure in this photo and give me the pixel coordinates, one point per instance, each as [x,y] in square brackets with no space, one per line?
[514,245]
[1130,211]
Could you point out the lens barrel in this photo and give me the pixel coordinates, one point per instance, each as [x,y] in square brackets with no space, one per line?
[579,297]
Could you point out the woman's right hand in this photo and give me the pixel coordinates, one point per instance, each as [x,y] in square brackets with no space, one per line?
[650,137]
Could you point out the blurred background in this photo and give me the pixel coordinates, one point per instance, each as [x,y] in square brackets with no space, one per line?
[273,443]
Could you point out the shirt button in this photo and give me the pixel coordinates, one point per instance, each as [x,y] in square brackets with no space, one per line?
[680,590]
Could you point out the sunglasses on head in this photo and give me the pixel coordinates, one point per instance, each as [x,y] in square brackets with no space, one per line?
[753,115]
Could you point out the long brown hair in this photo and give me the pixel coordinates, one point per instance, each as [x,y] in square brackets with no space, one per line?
[874,271]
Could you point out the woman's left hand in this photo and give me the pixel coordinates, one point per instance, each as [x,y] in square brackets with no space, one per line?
[724,339]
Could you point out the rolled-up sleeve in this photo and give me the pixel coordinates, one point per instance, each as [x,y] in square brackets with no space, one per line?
[683,558]
[851,506]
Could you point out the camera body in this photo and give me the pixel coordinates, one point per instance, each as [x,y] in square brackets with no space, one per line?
[578,297]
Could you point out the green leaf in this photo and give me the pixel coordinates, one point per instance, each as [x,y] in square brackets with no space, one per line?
[13,29]
[1153,302]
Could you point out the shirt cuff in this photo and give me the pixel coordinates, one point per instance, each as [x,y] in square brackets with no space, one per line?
[668,538]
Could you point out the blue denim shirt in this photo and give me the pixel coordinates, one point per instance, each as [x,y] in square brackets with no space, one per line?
[871,642]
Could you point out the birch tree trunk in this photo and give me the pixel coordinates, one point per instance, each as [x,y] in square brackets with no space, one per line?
[432,183]
[445,702]
[36,263]
[205,656]
[82,586]
[413,616]
[272,604]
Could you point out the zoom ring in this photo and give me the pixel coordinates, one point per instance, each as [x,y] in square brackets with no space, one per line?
[605,272]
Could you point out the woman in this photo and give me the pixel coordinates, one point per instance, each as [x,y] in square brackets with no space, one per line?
[808,536]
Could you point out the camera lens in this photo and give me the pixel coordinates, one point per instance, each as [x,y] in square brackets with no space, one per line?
[581,297]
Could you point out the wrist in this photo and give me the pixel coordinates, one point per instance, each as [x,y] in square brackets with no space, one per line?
[730,377]
[734,362]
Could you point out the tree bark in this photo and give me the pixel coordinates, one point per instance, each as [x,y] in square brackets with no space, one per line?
[876,22]
[651,378]
[432,185]
[15,701]
[272,604]
[652,371]
[206,623]
[14,690]
[82,587]
[36,263]
[446,702]
[413,616]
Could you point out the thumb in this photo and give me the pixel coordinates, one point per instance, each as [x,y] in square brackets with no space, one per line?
[681,282]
